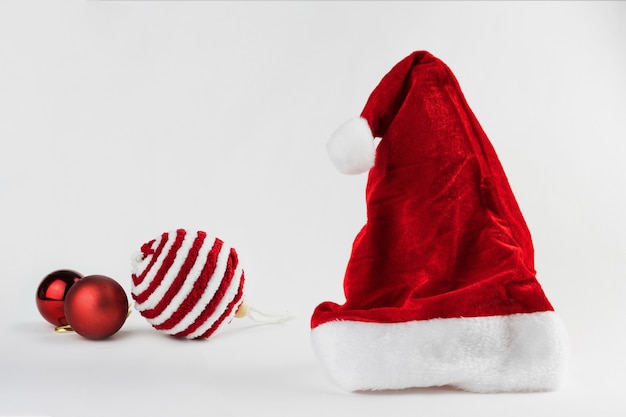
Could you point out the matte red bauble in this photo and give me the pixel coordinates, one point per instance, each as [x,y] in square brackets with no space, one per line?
[96,307]
[51,295]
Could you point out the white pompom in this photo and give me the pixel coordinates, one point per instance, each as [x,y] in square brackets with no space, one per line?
[351,148]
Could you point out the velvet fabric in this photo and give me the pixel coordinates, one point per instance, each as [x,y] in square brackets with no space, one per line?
[444,237]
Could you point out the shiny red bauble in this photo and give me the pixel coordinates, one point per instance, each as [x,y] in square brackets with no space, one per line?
[51,295]
[96,307]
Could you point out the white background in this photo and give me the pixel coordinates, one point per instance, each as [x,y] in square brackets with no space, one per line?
[121,120]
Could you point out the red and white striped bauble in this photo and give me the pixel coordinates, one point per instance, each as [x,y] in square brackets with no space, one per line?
[187,284]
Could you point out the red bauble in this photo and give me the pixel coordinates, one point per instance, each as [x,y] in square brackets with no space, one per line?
[51,295]
[96,307]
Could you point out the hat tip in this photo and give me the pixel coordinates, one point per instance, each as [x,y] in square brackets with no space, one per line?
[351,147]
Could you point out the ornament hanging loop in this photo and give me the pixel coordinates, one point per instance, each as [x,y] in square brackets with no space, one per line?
[245,310]
[242,311]
[63,329]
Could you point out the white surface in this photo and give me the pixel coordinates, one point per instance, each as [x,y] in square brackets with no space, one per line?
[120,120]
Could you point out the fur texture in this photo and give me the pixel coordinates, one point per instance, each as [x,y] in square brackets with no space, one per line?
[520,352]
[351,148]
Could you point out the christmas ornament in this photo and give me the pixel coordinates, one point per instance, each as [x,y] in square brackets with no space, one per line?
[440,287]
[187,284]
[51,294]
[96,307]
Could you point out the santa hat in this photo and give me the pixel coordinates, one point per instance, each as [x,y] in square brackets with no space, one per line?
[440,286]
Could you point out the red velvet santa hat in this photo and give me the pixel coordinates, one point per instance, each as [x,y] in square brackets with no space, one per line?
[440,286]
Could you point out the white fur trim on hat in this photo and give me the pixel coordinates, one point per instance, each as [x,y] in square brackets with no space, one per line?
[351,148]
[520,352]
